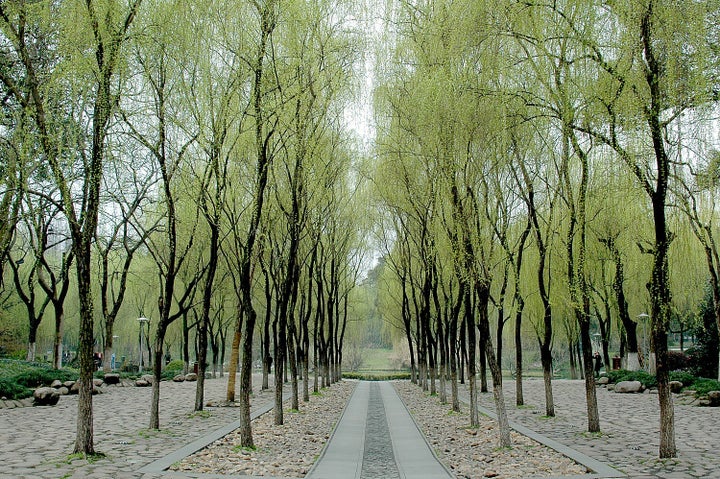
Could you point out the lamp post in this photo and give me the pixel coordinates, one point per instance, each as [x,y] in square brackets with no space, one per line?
[142,320]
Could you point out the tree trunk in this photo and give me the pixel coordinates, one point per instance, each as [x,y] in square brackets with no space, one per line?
[546,361]
[234,360]
[472,374]
[84,438]
[495,371]
[58,340]
[519,398]
[632,362]
[246,439]
[593,416]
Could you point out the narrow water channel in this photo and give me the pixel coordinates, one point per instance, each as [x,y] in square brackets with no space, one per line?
[378,458]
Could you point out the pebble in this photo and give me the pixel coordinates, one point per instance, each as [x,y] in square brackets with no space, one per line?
[288,450]
[473,449]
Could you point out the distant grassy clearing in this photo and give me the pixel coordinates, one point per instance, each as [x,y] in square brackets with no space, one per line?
[377,360]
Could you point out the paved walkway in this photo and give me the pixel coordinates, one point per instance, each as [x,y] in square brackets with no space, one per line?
[377,438]
[35,442]
[629,425]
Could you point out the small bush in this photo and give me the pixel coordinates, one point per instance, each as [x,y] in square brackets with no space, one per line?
[43,377]
[679,361]
[371,376]
[683,376]
[704,386]
[647,380]
[19,378]
[701,385]
[12,390]
[176,365]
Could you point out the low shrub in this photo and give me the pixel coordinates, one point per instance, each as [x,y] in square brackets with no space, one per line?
[704,385]
[376,376]
[43,377]
[701,385]
[11,390]
[20,378]
[683,376]
[648,380]
[176,366]
[679,361]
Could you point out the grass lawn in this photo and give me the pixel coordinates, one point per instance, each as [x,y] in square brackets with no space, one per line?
[376,360]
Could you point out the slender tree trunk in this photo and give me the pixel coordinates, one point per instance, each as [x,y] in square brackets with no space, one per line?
[472,374]
[495,371]
[84,439]
[519,398]
[58,339]
[234,360]
[246,439]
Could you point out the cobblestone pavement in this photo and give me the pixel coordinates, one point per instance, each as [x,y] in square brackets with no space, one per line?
[629,424]
[36,442]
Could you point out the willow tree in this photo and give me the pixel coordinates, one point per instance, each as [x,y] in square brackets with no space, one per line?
[439,110]
[313,78]
[101,30]
[555,64]
[697,199]
[213,73]
[653,67]
[267,12]
[155,122]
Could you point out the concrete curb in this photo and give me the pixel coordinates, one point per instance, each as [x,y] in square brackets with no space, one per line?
[161,465]
[600,469]
[313,469]
[420,433]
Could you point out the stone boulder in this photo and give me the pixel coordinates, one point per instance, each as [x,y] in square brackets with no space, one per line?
[75,388]
[628,387]
[63,391]
[675,386]
[97,382]
[141,383]
[148,377]
[714,398]
[112,378]
[69,384]
[191,377]
[57,384]
[46,396]
[179,378]
[603,380]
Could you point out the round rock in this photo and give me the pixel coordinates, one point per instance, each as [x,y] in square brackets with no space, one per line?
[628,387]
[46,396]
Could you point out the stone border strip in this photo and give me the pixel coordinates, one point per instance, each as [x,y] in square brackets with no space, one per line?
[313,468]
[601,469]
[161,465]
[424,438]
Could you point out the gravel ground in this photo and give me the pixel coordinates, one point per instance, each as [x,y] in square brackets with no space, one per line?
[281,451]
[473,452]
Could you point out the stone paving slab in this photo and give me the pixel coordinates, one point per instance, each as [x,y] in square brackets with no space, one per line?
[343,453]
[415,457]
